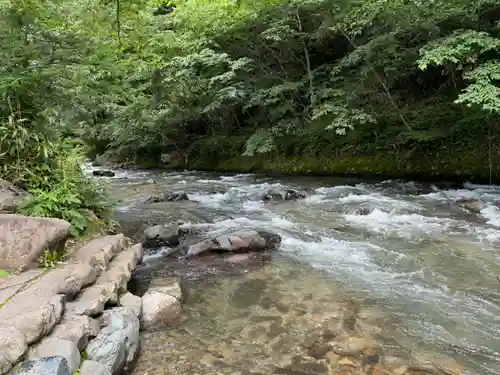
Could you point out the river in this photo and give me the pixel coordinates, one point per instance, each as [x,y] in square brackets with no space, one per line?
[420,272]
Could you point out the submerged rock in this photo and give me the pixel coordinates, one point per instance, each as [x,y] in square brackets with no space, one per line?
[168,197]
[161,305]
[351,346]
[237,242]
[361,211]
[472,206]
[11,197]
[161,235]
[103,173]
[287,195]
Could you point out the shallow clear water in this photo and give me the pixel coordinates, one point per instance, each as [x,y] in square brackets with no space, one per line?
[421,269]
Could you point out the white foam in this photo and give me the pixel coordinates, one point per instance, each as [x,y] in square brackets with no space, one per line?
[151,257]
[380,200]
[314,199]
[338,189]
[409,226]
[254,206]
[487,235]
[209,199]
[236,177]
[209,181]
[492,215]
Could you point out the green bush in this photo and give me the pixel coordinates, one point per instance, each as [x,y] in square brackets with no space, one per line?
[49,168]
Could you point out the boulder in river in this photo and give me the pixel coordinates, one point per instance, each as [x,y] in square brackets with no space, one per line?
[472,206]
[168,197]
[11,197]
[161,305]
[23,239]
[103,173]
[361,211]
[161,235]
[280,195]
[237,242]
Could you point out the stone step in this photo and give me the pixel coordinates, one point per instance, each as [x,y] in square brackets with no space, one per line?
[99,251]
[109,285]
[32,303]
[75,328]
[54,348]
[131,302]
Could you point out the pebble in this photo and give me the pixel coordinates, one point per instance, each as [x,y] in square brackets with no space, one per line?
[378,369]
[400,370]
[370,356]
[319,350]
[350,347]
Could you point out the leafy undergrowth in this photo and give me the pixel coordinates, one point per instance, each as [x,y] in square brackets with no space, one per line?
[49,168]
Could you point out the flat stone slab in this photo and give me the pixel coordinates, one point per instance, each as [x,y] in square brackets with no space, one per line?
[64,280]
[34,304]
[92,300]
[99,251]
[19,280]
[23,239]
[76,328]
[109,285]
[13,345]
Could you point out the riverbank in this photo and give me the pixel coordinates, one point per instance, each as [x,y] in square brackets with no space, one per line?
[455,166]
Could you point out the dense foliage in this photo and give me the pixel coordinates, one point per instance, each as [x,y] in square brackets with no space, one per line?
[36,85]
[278,78]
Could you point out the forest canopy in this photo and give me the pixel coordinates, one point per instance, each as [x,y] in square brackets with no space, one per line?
[211,80]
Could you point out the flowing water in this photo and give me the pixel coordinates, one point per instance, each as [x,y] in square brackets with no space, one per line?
[419,272]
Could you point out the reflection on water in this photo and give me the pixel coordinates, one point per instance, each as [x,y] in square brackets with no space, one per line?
[416,277]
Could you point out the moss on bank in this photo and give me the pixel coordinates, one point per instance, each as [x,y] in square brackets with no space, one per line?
[452,165]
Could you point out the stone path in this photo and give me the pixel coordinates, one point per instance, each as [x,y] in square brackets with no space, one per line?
[47,316]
